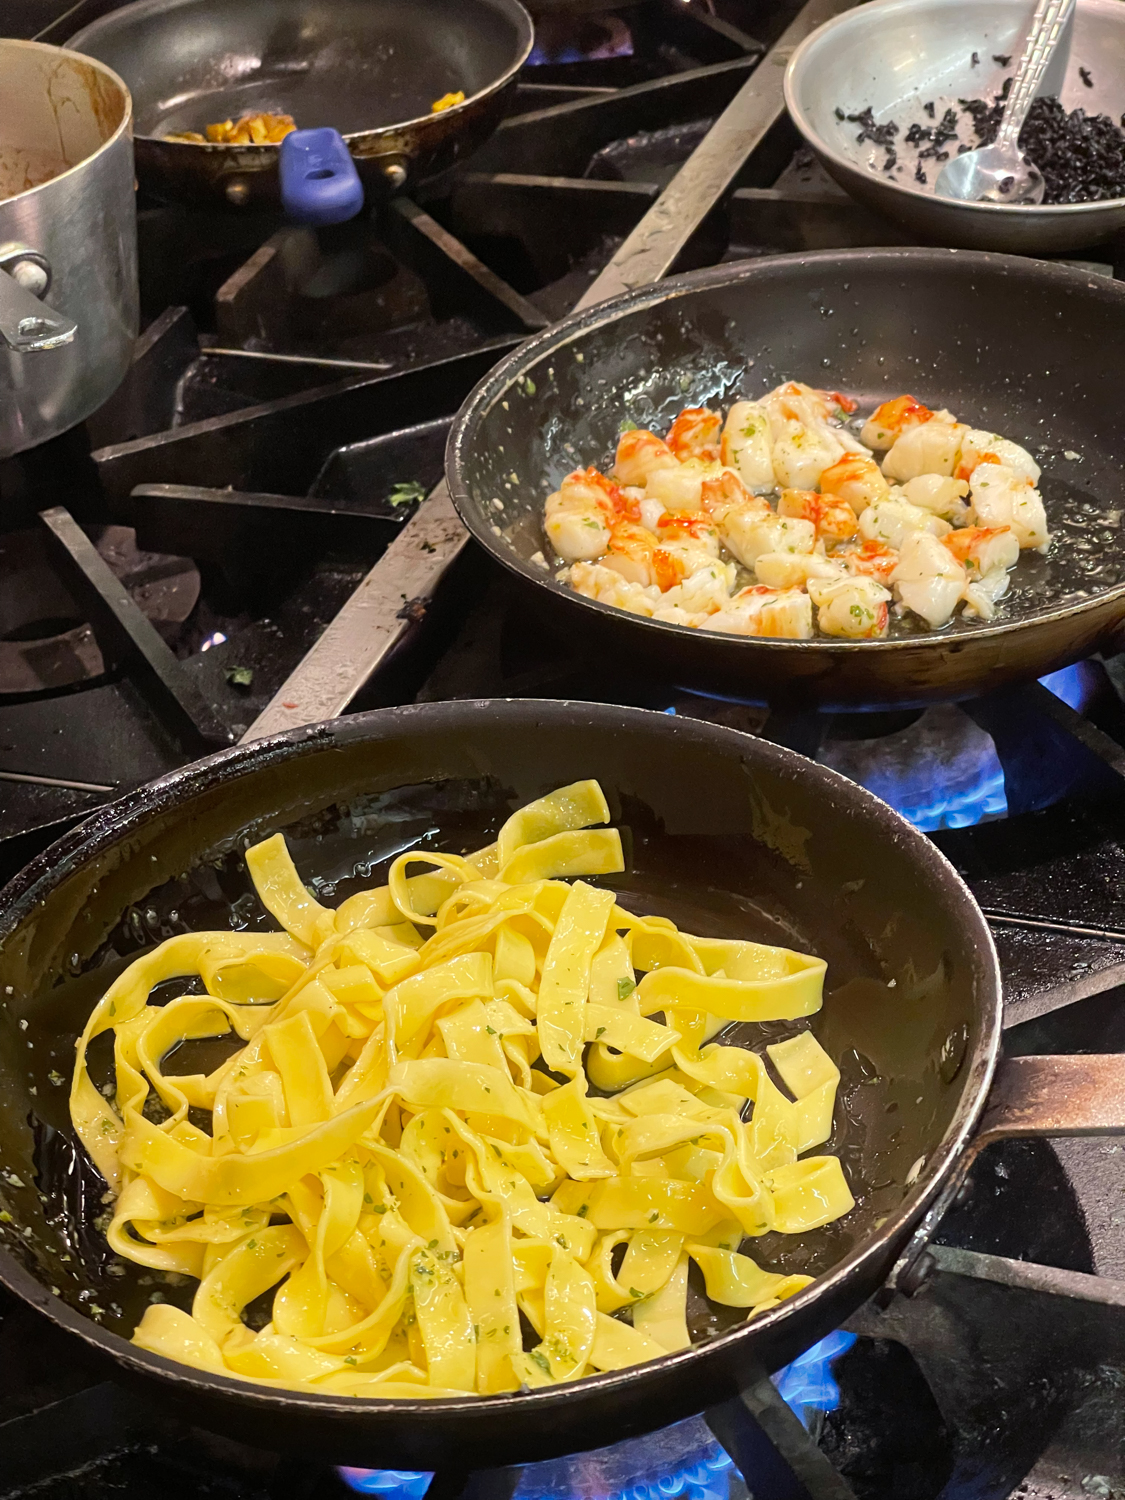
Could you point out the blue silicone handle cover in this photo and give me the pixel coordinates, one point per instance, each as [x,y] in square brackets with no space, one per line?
[319,182]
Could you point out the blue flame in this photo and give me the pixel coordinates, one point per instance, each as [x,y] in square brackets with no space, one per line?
[684,1460]
[400,1483]
[1075,685]
[808,1383]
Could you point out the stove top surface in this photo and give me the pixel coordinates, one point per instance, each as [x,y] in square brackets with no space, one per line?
[286,410]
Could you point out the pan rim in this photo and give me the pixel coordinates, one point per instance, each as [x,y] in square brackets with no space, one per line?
[176,789]
[507,374]
[1031,213]
[513,10]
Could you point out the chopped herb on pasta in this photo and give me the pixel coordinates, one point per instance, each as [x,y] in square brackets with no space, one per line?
[453,1104]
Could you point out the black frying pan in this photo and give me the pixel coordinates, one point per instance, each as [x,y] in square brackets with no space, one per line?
[1023,346]
[369,69]
[727,835]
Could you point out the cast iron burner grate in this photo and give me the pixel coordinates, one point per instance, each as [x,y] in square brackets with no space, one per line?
[287,407]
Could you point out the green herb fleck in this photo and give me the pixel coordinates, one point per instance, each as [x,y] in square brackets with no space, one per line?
[490,1031]
[600,1032]
[625,988]
[583,1210]
[625,425]
[432,1245]
[241,677]
[538,1357]
[251,1244]
[379,1208]
[652,1218]
[529,385]
[407,493]
[634,1293]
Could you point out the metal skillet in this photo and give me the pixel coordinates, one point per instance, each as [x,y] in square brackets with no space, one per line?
[1020,346]
[727,835]
[369,69]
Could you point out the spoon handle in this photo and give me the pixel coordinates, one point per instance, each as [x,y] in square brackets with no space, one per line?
[1047,26]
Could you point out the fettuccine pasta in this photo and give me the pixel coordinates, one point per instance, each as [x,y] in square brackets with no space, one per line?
[474,1102]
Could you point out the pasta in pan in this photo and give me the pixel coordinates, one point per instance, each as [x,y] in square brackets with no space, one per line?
[461,1099]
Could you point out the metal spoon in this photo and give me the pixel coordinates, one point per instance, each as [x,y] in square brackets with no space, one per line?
[1000,173]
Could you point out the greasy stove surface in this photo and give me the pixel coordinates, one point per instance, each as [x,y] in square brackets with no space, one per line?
[164,570]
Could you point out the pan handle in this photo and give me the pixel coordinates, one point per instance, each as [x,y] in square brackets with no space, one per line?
[28,325]
[1048,1096]
[1079,1094]
[319,181]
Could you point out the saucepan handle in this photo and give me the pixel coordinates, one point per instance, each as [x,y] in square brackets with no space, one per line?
[26,324]
[1080,1094]
[319,181]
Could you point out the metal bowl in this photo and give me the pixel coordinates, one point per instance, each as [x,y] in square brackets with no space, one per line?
[896,54]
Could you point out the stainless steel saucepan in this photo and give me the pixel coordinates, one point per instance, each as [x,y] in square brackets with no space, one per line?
[68,240]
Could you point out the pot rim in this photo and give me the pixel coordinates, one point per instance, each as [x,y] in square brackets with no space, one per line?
[124,125]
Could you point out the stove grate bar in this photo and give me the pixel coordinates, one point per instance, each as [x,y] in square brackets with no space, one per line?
[125,636]
[430,242]
[389,603]
[370,625]
[66,786]
[561,138]
[1067,929]
[1076,724]
[770,1446]
[651,250]
[1029,1276]
[283,444]
[213,525]
[66,1436]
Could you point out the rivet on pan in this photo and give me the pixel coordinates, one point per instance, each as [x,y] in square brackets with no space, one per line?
[395,173]
[237,191]
[914,1277]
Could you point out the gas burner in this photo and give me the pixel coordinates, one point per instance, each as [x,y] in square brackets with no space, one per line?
[683,1460]
[940,771]
[568,38]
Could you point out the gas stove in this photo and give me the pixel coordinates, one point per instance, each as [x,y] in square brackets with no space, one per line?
[170,575]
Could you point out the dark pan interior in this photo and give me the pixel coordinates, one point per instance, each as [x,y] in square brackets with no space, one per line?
[725,834]
[355,65]
[1008,344]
